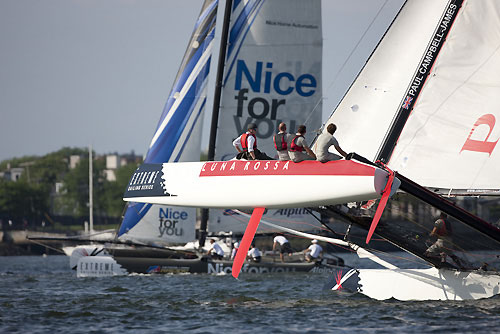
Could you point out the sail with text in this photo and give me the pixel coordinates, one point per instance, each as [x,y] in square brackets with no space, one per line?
[177,138]
[426,104]
[273,74]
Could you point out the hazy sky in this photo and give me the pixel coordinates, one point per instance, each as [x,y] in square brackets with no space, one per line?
[80,72]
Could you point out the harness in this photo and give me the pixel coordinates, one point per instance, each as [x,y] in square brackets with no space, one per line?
[280,142]
[243,141]
[294,147]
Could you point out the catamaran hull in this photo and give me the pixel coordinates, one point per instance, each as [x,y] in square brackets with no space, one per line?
[250,184]
[102,266]
[418,284]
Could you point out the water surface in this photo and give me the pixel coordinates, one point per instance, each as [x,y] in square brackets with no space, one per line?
[41,295]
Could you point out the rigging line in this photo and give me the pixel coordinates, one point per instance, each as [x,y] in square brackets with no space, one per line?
[46,246]
[337,74]
[319,220]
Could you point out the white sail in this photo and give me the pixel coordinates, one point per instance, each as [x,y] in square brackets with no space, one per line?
[450,139]
[369,107]
[273,74]
[426,104]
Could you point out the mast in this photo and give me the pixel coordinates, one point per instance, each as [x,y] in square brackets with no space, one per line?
[91,197]
[216,106]
[422,72]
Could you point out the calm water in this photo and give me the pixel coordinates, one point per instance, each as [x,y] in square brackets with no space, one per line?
[41,295]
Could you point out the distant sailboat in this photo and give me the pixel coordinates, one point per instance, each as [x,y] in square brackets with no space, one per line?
[285,85]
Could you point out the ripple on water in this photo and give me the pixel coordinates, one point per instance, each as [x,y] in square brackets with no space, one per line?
[53,300]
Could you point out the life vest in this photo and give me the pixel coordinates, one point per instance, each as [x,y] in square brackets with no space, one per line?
[294,147]
[243,141]
[280,142]
[445,229]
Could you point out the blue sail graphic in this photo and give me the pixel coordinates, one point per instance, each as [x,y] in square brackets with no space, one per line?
[183,111]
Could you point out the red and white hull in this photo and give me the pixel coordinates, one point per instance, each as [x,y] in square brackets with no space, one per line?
[250,184]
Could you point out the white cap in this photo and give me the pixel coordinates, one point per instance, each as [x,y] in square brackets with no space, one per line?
[236,244]
[314,241]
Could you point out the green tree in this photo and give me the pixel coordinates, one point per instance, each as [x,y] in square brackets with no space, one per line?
[113,191]
[22,200]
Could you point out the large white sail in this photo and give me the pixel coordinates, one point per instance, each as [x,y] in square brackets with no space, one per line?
[273,74]
[426,102]
[177,138]
[450,139]
[369,107]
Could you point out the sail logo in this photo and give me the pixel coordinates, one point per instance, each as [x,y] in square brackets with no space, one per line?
[142,180]
[219,268]
[168,220]
[291,212]
[284,83]
[482,146]
[261,83]
[147,180]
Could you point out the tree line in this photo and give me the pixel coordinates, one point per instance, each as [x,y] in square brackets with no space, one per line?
[49,187]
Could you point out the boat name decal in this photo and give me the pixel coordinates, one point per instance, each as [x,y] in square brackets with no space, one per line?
[274,167]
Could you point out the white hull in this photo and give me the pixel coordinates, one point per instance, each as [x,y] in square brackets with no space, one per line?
[421,284]
[250,184]
[98,266]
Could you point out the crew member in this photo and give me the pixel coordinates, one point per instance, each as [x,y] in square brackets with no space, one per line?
[442,247]
[323,143]
[285,247]
[246,145]
[216,252]
[281,140]
[299,145]
[313,252]
[254,254]
[236,245]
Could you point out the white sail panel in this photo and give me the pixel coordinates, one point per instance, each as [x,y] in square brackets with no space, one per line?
[272,72]
[163,224]
[450,139]
[272,75]
[367,110]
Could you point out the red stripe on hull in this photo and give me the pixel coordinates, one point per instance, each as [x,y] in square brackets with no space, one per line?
[266,167]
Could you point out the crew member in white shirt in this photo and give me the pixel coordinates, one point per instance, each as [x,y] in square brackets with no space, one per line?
[215,251]
[284,246]
[313,252]
[254,254]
